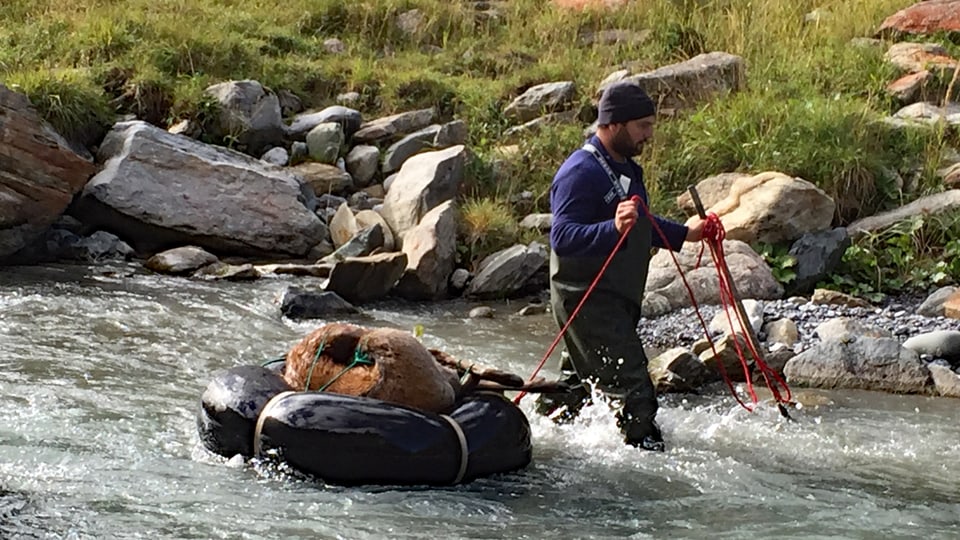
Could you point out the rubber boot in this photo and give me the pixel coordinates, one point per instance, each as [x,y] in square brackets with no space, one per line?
[564,407]
[637,422]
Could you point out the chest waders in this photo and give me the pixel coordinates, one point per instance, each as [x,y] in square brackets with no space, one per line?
[602,340]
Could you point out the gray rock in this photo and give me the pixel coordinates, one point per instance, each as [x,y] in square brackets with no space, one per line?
[324,142]
[220,271]
[782,331]
[276,156]
[300,304]
[506,271]
[431,249]
[424,182]
[182,260]
[677,370]
[933,305]
[861,363]
[323,178]
[538,308]
[845,329]
[459,279]
[299,152]
[349,120]
[540,222]
[481,312]
[721,325]
[334,46]
[398,125]
[249,114]
[541,99]
[932,205]
[691,82]
[817,254]
[946,382]
[940,344]
[363,279]
[100,246]
[408,146]
[451,134]
[364,243]
[362,162]
[220,200]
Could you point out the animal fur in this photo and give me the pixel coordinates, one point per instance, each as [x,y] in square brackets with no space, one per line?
[403,370]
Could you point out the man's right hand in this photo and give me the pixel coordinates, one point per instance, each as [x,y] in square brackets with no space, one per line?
[626,215]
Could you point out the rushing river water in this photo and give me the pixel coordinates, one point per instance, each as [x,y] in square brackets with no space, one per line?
[101,369]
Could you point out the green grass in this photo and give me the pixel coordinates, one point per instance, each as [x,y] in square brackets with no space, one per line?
[810,107]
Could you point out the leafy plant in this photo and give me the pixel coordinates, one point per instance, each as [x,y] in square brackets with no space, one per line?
[781,263]
[911,256]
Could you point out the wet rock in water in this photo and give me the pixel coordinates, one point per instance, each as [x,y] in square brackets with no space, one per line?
[677,370]
[945,380]
[181,260]
[459,279]
[228,272]
[300,304]
[534,308]
[481,312]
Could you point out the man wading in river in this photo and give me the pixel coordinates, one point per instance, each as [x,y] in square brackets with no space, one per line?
[591,202]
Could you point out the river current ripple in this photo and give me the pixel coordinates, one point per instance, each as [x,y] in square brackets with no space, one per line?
[101,369]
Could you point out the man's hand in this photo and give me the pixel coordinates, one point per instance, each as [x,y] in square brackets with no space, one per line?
[695,230]
[626,215]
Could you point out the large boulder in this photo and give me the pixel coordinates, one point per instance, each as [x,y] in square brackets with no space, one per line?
[160,190]
[363,279]
[711,190]
[772,207]
[665,290]
[431,249]
[929,17]
[931,205]
[860,362]
[506,271]
[541,99]
[689,83]
[39,173]
[424,181]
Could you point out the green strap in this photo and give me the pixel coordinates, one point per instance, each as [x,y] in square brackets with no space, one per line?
[359,358]
[323,343]
[272,361]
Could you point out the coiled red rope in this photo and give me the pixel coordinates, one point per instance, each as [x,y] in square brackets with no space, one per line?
[713,236]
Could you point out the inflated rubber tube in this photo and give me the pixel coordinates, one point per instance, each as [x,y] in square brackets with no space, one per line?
[351,440]
[230,406]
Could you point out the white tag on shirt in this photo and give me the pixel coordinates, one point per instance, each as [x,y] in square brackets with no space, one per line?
[625,183]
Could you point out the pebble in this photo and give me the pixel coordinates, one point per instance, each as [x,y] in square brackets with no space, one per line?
[681,328]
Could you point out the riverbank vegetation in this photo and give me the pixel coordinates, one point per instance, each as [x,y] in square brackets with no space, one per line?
[812,105]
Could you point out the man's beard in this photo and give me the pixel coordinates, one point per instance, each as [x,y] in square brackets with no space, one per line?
[623,145]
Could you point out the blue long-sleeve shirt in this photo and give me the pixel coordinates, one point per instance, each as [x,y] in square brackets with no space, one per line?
[584,202]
